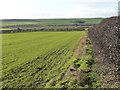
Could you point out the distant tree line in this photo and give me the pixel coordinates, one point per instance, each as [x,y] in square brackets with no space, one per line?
[43,29]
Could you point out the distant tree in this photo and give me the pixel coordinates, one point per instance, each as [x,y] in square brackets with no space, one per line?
[18,30]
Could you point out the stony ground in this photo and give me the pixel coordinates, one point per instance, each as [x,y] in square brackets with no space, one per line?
[105,39]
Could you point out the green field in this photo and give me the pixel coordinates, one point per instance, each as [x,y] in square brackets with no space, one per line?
[46,22]
[37,59]
[6,29]
[17,23]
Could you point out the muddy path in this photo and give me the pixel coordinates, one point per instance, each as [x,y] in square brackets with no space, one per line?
[81,47]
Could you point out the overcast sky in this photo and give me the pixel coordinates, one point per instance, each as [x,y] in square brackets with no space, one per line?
[25,9]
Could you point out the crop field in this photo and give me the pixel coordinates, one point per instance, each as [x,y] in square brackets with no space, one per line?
[37,59]
[47,53]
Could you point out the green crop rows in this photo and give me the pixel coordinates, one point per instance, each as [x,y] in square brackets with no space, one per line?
[37,59]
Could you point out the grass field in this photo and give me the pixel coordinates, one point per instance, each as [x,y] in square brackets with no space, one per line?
[46,22]
[37,59]
[17,23]
[5,29]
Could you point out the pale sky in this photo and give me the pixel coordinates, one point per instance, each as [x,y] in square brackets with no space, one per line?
[36,9]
